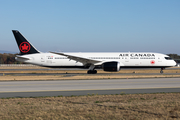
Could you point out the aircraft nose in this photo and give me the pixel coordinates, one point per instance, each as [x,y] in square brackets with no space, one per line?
[174,63]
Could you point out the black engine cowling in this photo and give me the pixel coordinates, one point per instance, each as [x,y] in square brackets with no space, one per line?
[111,66]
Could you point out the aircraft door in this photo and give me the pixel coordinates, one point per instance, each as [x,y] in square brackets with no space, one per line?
[159,59]
[127,57]
[42,59]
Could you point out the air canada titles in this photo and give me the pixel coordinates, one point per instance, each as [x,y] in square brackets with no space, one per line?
[138,55]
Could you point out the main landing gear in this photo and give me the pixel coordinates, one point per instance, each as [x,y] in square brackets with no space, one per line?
[91,70]
[161,70]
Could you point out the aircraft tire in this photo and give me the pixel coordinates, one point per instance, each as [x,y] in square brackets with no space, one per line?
[95,71]
[91,71]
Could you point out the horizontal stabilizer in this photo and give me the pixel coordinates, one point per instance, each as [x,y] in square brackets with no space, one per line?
[22,58]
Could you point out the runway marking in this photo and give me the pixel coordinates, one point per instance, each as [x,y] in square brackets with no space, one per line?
[89,89]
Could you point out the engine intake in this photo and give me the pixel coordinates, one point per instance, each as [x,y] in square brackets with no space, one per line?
[111,66]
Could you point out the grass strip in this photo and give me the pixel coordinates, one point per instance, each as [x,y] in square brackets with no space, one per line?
[119,106]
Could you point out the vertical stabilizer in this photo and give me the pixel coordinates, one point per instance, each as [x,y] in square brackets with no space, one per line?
[24,45]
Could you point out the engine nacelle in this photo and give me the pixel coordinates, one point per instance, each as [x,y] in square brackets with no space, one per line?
[111,66]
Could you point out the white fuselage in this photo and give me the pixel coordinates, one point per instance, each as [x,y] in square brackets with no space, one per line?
[126,59]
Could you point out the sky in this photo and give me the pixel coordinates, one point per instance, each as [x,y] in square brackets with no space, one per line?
[92,25]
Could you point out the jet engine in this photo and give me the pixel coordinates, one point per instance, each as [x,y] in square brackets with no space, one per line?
[111,66]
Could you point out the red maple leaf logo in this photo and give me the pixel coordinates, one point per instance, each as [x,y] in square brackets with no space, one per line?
[152,62]
[24,47]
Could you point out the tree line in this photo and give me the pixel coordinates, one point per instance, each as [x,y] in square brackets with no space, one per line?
[7,58]
[175,57]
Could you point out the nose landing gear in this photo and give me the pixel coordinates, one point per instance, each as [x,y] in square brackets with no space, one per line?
[161,70]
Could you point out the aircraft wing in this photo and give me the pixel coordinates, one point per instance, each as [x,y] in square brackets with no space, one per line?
[83,60]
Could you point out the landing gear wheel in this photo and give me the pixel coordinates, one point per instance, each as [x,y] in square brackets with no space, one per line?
[91,71]
[95,71]
[161,70]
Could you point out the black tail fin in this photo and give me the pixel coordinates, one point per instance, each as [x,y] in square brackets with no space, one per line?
[24,45]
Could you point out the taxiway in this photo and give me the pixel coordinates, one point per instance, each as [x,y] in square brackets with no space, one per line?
[84,87]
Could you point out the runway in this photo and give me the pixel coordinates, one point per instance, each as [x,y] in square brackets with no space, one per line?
[84,87]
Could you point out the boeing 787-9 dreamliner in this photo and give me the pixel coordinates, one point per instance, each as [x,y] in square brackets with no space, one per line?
[108,61]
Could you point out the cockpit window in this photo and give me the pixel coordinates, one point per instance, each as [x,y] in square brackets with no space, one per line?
[168,58]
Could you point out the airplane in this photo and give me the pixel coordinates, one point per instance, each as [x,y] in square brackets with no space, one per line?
[108,61]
